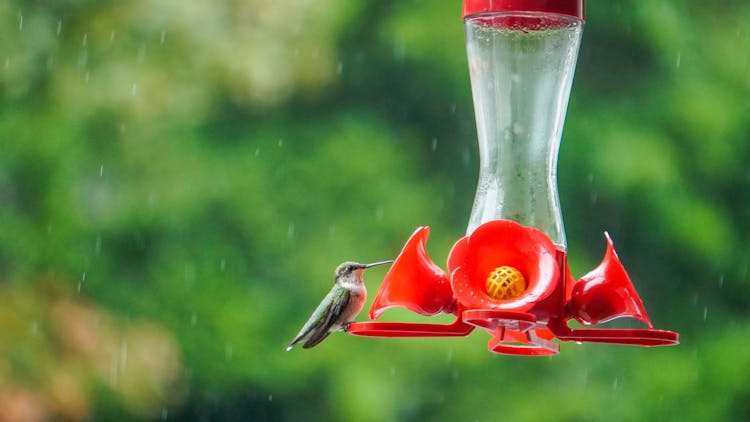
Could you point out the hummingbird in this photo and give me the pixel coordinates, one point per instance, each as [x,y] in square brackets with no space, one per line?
[340,306]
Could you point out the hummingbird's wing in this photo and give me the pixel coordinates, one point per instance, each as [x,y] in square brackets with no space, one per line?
[341,298]
[317,327]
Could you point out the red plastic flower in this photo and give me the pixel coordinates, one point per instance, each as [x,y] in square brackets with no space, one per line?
[503,243]
[606,293]
[414,282]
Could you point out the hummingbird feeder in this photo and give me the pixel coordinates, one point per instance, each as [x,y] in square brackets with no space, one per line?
[509,275]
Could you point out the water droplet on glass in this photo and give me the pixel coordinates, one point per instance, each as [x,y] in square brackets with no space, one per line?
[59,27]
[434,144]
[85,39]
[339,68]
[162,37]
[20,22]
[164,413]
[193,319]
[507,134]
[290,231]
[270,397]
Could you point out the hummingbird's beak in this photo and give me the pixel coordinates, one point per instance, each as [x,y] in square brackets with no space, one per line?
[374,264]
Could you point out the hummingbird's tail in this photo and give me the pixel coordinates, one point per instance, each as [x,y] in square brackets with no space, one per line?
[299,338]
[310,341]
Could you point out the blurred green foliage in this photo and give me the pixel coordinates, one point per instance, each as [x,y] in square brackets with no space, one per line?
[178,181]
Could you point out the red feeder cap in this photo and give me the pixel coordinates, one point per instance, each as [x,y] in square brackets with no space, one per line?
[572,8]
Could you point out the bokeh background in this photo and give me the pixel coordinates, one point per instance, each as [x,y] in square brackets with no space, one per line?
[178,181]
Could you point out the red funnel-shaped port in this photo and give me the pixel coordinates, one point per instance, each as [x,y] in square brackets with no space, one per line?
[606,293]
[414,281]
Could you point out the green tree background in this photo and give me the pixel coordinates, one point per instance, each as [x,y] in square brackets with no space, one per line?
[178,181]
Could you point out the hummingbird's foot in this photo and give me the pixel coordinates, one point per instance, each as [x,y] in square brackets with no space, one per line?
[346,327]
